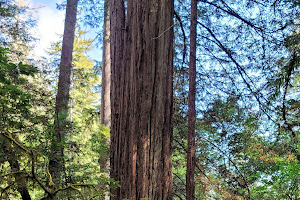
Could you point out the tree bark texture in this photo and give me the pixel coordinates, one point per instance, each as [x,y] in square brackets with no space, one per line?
[142,98]
[190,182]
[56,163]
[106,72]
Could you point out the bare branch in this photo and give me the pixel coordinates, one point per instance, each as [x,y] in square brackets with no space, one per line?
[184,37]
[232,162]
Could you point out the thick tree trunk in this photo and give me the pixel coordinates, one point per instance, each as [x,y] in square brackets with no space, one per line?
[190,182]
[56,163]
[20,178]
[142,107]
[117,24]
[106,72]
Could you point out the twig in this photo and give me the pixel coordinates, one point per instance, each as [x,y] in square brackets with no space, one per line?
[163,32]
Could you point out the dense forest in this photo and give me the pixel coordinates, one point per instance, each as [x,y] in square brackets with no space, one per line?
[189,99]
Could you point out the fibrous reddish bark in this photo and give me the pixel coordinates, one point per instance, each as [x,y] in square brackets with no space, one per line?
[117,23]
[106,72]
[142,98]
[190,182]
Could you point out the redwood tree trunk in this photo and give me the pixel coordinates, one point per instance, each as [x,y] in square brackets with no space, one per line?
[106,79]
[106,72]
[142,98]
[190,182]
[117,24]
[56,163]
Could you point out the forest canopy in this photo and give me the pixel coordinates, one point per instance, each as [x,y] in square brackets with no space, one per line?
[187,99]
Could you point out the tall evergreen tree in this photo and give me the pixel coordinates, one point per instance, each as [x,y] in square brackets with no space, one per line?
[56,161]
[15,104]
[191,150]
[106,72]
[105,110]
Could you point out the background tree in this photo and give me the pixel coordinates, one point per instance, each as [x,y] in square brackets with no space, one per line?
[56,163]
[30,131]
[86,139]
[106,72]
[19,93]
[190,182]
[228,36]
[16,22]
[106,80]
[14,107]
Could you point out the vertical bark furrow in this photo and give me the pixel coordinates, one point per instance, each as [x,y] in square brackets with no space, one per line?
[117,22]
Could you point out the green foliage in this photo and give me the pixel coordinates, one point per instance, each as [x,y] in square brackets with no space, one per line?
[100,145]
[27,108]
[27,119]
[6,10]
[86,147]
[248,113]
[14,101]
[18,120]
[247,99]
[16,22]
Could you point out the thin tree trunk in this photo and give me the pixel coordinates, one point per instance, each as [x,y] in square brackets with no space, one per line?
[106,72]
[142,107]
[190,182]
[56,163]
[106,80]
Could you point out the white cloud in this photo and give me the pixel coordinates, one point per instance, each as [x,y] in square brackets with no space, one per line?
[49,29]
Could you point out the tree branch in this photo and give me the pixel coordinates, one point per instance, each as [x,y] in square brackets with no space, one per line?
[232,162]
[287,83]
[231,12]
[184,37]
[240,69]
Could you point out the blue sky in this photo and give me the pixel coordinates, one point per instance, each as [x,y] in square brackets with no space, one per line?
[50,26]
